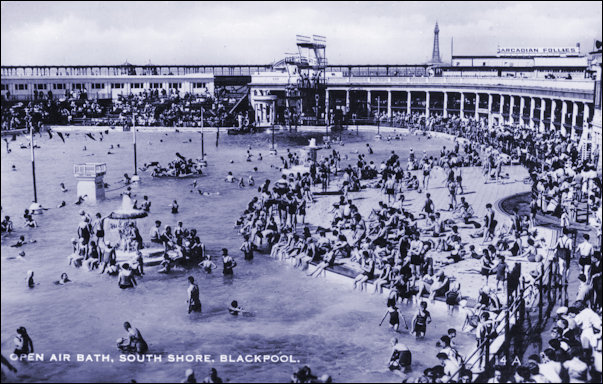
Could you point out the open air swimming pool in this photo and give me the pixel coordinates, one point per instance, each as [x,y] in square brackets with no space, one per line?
[320,323]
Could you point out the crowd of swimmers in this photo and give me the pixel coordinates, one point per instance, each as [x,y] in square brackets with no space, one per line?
[396,248]
[181,166]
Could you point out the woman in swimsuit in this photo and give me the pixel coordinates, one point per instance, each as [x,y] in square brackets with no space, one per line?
[368,264]
[420,321]
[229,263]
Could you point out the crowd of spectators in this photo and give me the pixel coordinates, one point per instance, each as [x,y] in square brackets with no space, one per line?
[148,108]
[400,249]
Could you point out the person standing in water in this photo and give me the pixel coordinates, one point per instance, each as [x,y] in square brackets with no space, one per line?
[247,248]
[30,279]
[213,377]
[23,343]
[420,321]
[133,342]
[189,376]
[194,303]
[229,263]
[401,357]
[174,207]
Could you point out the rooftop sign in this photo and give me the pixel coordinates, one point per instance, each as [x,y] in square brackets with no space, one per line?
[538,51]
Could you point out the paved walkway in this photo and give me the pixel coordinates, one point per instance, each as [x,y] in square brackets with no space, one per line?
[476,193]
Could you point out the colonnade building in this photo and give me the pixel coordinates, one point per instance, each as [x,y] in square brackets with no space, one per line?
[542,88]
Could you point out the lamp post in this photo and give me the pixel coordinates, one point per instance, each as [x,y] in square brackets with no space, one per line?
[33,160]
[135,177]
[378,118]
[202,137]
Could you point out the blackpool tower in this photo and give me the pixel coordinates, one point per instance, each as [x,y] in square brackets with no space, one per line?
[435,57]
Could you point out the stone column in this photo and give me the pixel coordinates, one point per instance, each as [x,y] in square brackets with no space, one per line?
[574,118]
[426,103]
[500,107]
[368,102]
[563,117]
[532,107]
[445,104]
[476,105]
[542,108]
[490,110]
[553,107]
[389,104]
[511,106]
[462,105]
[408,99]
[586,113]
[347,101]
[522,105]
[327,111]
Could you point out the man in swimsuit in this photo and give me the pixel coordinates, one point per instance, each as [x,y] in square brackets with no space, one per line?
[133,343]
[23,343]
[126,277]
[155,233]
[247,248]
[401,357]
[194,303]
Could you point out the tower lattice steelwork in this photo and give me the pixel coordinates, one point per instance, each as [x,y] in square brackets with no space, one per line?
[435,57]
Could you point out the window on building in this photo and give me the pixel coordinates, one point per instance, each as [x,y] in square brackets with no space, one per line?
[40,87]
[21,87]
[117,85]
[4,87]
[175,85]
[136,85]
[198,85]
[77,86]
[98,85]
[58,86]
[155,85]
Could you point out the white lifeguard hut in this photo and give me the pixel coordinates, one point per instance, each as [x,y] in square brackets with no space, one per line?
[90,181]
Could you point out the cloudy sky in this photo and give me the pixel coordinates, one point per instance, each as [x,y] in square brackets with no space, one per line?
[261,32]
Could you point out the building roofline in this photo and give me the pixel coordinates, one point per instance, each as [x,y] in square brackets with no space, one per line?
[509,56]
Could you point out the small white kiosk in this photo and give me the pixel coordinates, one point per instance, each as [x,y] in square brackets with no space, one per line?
[90,180]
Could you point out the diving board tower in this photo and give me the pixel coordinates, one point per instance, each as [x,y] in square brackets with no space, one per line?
[90,181]
[312,80]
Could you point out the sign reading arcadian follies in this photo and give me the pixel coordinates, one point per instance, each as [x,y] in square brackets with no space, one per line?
[538,51]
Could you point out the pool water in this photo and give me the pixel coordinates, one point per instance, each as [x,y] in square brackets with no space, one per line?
[322,324]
